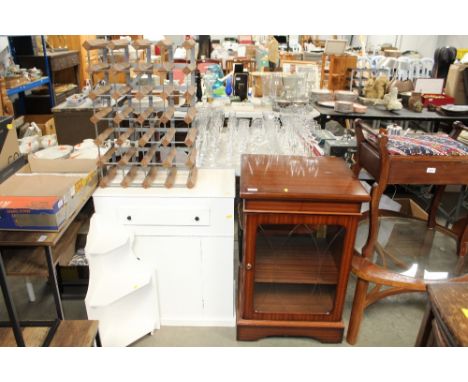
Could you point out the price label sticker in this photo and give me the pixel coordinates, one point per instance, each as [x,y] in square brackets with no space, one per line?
[431,170]
[251,189]
[42,238]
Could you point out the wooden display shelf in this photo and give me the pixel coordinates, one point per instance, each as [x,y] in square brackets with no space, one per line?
[293,298]
[295,266]
[70,333]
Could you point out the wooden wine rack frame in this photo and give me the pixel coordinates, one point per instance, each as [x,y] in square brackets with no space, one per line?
[142,137]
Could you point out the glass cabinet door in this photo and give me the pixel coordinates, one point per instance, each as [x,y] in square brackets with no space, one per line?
[296,268]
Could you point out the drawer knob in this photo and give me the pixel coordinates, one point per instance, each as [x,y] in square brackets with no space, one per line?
[129,218]
[248,266]
[197,218]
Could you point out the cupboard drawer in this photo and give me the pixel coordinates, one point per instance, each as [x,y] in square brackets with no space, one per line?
[160,216]
[171,216]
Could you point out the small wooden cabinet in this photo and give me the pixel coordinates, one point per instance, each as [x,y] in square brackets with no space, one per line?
[299,219]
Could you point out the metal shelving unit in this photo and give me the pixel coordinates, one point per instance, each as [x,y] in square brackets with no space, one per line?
[28,86]
[20,90]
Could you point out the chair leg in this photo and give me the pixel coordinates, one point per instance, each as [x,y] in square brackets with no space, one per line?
[356,168]
[431,222]
[463,240]
[376,194]
[357,312]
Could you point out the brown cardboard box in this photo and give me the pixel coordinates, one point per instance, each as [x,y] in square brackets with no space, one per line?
[411,208]
[9,149]
[455,87]
[44,121]
[45,193]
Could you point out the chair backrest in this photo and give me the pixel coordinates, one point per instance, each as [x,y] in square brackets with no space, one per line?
[415,69]
[427,65]
[403,68]
[375,61]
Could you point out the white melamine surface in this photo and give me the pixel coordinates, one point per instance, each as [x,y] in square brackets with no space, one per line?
[211,183]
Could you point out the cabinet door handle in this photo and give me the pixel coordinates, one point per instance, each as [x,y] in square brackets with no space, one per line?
[248,266]
[129,218]
[197,218]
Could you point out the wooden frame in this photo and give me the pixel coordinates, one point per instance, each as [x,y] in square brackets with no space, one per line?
[399,169]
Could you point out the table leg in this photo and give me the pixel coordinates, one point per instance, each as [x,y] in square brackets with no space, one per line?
[9,305]
[53,279]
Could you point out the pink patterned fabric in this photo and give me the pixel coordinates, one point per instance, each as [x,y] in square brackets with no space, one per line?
[424,144]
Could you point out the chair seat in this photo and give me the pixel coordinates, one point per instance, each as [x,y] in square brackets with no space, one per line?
[425,144]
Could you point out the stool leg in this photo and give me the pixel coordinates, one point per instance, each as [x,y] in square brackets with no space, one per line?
[357,312]
[425,330]
[463,241]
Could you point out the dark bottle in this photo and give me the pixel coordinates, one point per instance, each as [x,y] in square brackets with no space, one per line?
[198,83]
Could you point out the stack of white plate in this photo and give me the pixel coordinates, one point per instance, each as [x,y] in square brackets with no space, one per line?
[54,152]
[345,95]
[321,95]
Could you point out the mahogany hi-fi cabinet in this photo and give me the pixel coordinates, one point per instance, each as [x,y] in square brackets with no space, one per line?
[299,220]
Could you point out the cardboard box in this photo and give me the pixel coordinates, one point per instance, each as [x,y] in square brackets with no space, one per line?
[45,122]
[455,86]
[410,208]
[437,99]
[45,193]
[9,149]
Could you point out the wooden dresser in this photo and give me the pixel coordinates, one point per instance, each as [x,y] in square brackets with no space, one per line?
[299,221]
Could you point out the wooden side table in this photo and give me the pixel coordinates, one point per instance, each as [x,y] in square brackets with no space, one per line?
[445,322]
[299,217]
[34,333]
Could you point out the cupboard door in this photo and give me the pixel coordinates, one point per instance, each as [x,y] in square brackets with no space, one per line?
[294,267]
[218,280]
[177,261]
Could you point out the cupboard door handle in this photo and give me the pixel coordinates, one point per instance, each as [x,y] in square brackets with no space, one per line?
[129,218]
[248,266]
[197,218]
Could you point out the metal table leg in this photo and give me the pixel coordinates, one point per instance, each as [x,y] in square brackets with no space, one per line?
[55,287]
[9,305]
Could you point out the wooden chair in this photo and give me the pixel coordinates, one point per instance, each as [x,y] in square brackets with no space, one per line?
[374,156]
[336,71]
